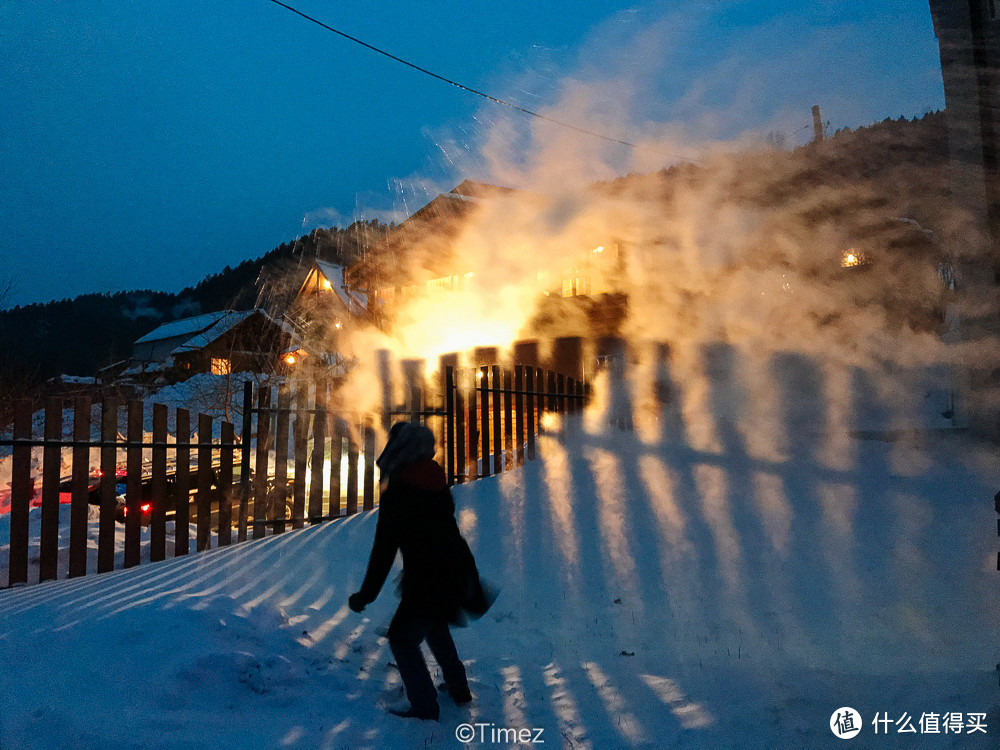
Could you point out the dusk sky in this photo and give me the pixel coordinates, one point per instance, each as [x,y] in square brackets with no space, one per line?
[149,144]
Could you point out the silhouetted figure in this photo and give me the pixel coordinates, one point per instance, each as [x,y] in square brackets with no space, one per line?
[440,583]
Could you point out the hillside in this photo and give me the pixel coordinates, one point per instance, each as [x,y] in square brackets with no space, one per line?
[79,336]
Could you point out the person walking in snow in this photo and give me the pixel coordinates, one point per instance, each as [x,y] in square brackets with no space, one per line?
[440,583]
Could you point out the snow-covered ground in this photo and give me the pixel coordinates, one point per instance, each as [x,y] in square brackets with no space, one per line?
[660,588]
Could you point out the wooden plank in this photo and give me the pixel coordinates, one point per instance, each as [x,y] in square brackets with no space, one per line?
[278,502]
[369,484]
[300,436]
[246,441]
[203,502]
[529,411]
[461,469]
[473,441]
[336,465]
[48,546]
[20,495]
[227,436]
[261,496]
[508,421]
[497,427]
[484,418]
[80,496]
[449,423]
[352,474]
[133,483]
[519,412]
[318,457]
[109,502]
[182,484]
[158,487]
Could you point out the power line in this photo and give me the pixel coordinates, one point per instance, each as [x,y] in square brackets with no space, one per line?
[469,89]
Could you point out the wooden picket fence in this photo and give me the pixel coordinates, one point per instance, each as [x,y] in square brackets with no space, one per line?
[295,461]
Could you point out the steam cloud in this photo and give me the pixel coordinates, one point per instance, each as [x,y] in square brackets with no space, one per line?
[735,261]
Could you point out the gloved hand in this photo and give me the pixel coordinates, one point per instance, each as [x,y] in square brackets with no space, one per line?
[356,602]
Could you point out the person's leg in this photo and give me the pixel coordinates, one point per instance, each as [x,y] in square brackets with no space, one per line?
[405,634]
[443,647]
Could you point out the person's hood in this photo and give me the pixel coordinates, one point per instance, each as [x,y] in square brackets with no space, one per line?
[407,444]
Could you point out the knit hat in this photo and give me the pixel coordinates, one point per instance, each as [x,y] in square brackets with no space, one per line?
[408,442]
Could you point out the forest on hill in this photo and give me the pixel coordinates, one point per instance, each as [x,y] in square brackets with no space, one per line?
[79,336]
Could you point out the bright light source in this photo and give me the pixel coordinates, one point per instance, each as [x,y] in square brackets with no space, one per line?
[851,258]
[290,359]
[469,275]
[599,249]
[327,285]
[337,325]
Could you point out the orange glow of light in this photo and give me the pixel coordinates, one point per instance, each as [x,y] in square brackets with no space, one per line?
[290,359]
[851,258]
[337,325]
[327,285]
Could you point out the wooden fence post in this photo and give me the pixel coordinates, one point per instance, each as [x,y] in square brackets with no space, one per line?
[529,410]
[79,498]
[227,438]
[497,427]
[318,457]
[519,412]
[352,474]
[484,418]
[461,467]
[20,495]
[369,486]
[48,547]
[385,383]
[246,440]
[109,478]
[336,464]
[300,434]
[278,503]
[158,522]
[203,527]
[449,424]
[508,427]
[182,484]
[261,495]
[473,434]
[133,483]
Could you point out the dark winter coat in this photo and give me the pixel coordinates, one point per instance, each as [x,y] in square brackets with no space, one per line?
[417,517]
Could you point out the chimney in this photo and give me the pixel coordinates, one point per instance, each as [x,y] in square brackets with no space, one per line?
[817,125]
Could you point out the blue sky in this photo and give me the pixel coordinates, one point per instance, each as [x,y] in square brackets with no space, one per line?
[148,144]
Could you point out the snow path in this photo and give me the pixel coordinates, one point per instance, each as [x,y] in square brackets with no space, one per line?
[654,594]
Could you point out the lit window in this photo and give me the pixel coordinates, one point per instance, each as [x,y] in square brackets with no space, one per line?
[221,366]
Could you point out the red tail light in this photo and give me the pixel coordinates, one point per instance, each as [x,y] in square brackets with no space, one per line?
[146,507]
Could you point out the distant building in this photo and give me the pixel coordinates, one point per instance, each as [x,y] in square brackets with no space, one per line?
[220,342]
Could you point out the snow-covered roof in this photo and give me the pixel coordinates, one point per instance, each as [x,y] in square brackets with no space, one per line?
[222,325]
[354,301]
[183,327]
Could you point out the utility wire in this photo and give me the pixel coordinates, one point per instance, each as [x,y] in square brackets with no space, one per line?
[456,84]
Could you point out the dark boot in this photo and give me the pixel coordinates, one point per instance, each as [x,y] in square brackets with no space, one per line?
[412,713]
